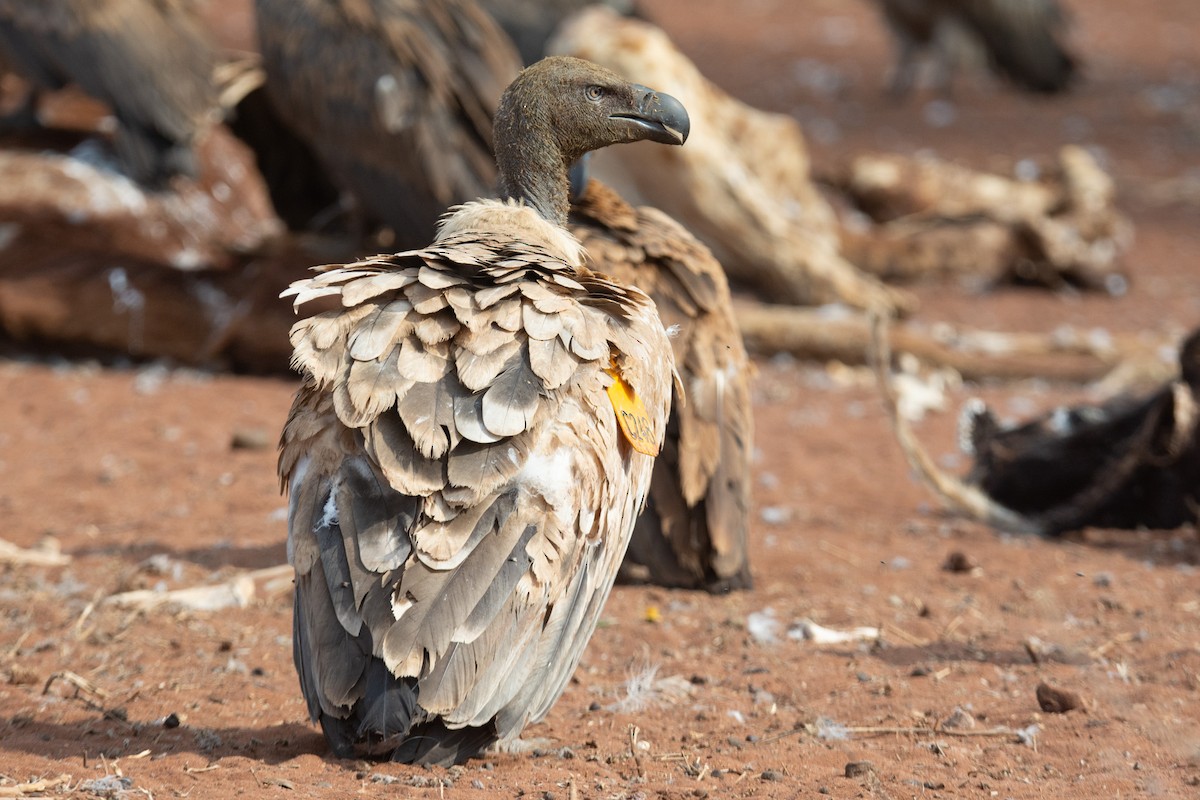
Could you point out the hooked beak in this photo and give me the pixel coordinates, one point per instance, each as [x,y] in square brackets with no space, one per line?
[660,116]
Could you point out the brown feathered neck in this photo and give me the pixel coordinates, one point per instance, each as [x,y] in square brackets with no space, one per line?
[530,155]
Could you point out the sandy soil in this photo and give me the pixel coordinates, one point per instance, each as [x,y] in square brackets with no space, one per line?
[151,477]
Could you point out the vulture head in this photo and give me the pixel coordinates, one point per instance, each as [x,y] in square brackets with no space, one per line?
[561,108]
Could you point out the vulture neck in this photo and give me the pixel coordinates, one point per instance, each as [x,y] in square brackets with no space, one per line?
[532,167]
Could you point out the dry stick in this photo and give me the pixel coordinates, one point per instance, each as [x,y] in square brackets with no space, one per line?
[812,334]
[80,683]
[951,490]
[12,651]
[190,770]
[77,628]
[633,750]
[34,557]
[238,590]
[840,552]
[909,731]
[904,635]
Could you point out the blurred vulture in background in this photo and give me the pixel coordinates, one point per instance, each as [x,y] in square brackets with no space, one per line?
[1022,40]
[531,23]
[693,532]
[395,97]
[1131,462]
[147,59]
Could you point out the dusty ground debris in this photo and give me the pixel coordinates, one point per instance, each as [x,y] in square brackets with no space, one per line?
[120,469]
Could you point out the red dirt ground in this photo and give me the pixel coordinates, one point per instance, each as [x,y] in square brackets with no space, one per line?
[134,473]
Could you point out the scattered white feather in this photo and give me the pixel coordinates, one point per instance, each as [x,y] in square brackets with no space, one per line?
[644,689]
[108,786]
[638,689]
[763,627]
[1028,736]
[917,394]
[775,515]
[831,731]
[128,299]
[329,514]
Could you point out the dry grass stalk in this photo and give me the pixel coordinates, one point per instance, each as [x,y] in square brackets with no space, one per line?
[954,493]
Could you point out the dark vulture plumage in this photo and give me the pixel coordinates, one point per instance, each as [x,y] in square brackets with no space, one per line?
[472,445]
[1021,38]
[395,97]
[1129,463]
[693,532]
[149,60]
[531,23]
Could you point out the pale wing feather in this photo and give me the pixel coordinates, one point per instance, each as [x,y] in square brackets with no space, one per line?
[512,401]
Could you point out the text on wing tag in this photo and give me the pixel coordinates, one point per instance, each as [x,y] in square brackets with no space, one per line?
[632,417]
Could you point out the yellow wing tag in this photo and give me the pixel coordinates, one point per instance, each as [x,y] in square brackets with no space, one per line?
[632,416]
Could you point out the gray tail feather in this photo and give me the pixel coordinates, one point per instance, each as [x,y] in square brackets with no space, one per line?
[388,706]
[385,717]
[432,743]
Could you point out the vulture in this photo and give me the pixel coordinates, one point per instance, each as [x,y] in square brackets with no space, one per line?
[149,60]
[693,531]
[1022,39]
[531,23]
[395,98]
[1131,462]
[471,445]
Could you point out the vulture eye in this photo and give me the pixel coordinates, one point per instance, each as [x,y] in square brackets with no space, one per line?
[594,93]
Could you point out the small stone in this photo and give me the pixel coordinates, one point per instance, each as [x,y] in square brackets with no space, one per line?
[250,439]
[958,561]
[859,769]
[1057,701]
[772,775]
[171,720]
[959,720]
